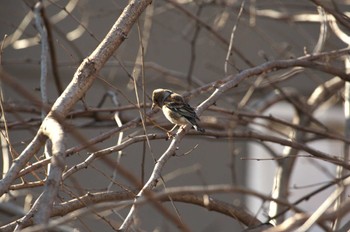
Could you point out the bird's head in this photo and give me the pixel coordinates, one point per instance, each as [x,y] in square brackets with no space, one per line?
[159,96]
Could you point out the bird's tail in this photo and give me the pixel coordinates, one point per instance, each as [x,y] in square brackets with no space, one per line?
[199,129]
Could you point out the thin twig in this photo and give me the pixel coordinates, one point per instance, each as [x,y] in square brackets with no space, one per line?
[229,50]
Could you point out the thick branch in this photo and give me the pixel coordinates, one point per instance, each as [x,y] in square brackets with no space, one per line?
[54,131]
[84,77]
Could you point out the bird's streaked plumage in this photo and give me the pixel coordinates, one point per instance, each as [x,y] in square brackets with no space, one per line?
[175,109]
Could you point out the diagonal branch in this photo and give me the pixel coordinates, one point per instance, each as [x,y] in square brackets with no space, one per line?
[226,84]
[82,80]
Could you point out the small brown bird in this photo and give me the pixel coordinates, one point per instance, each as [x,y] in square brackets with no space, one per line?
[175,109]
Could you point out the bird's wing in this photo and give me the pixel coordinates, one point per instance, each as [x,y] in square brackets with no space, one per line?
[183,109]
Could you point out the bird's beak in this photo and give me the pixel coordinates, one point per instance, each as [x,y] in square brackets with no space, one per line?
[153,106]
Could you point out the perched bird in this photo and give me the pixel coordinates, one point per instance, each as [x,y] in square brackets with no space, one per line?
[175,109]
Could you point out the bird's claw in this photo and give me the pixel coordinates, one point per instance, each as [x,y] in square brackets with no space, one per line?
[170,134]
